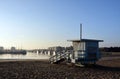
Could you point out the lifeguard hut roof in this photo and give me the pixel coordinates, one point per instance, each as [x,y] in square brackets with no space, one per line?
[86,40]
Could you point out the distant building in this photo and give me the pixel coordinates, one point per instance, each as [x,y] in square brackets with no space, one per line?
[69,48]
[1,48]
[13,48]
[57,48]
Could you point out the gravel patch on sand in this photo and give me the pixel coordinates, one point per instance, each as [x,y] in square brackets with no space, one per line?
[40,69]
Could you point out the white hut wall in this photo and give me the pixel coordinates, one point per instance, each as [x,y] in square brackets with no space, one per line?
[79,48]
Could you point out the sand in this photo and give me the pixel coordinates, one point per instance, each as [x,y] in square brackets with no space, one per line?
[42,69]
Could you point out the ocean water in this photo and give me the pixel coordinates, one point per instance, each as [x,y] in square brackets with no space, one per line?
[29,55]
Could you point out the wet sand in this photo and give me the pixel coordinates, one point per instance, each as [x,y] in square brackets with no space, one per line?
[41,69]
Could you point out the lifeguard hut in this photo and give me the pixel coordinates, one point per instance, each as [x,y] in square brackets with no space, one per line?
[86,51]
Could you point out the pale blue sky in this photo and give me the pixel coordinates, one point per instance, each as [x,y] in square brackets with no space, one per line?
[44,23]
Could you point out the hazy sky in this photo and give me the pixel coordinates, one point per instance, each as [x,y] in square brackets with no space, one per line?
[43,23]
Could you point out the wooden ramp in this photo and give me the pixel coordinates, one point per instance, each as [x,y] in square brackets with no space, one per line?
[58,58]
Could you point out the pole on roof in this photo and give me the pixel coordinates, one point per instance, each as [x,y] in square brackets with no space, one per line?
[80,31]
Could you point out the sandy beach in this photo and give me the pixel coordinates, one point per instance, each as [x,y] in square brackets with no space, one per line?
[42,69]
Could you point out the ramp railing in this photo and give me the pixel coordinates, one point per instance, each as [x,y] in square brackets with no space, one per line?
[59,57]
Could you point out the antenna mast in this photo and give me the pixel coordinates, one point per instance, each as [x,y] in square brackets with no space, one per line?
[80,31]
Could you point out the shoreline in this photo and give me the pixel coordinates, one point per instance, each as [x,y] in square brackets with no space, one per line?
[103,58]
[110,58]
[15,60]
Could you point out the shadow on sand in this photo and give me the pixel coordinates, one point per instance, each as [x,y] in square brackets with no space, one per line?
[100,67]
